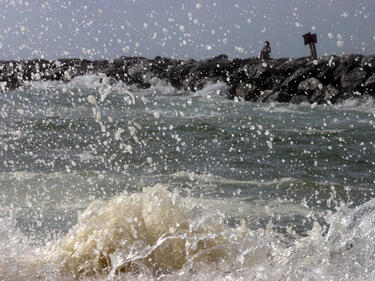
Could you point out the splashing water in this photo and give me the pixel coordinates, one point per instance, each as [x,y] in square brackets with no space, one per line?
[103,181]
[157,234]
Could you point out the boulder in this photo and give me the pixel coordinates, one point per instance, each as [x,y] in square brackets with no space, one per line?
[244,73]
[326,67]
[267,96]
[302,73]
[310,85]
[297,99]
[217,68]
[369,85]
[178,73]
[368,63]
[352,79]
[247,91]
[282,96]
[344,65]
[288,66]
[273,96]
[325,95]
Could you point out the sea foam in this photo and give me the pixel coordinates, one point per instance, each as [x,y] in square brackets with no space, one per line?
[151,232]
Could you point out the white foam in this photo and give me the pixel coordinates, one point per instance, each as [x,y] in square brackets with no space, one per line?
[361,105]
[85,81]
[273,107]
[209,178]
[366,105]
[212,89]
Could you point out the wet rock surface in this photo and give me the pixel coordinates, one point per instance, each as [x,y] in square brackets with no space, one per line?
[328,79]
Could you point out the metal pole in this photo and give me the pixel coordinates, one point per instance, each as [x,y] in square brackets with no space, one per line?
[314,50]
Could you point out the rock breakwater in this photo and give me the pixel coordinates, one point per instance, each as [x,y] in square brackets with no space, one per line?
[329,79]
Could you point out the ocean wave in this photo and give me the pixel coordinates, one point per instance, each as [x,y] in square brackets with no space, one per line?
[159,235]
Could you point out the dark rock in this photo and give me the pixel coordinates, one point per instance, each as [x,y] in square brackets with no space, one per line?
[289,66]
[247,91]
[302,73]
[243,73]
[344,65]
[327,94]
[283,96]
[326,67]
[218,67]
[262,74]
[369,85]
[368,63]
[309,85]
[258,73]
[297,99]
[272,96]
[351,61]
[238,63]
[267,96]
[352,79]
[177,74]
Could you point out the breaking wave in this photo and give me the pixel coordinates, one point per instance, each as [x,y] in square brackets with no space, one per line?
[159,235]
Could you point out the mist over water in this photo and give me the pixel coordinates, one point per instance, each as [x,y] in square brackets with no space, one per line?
[103,181]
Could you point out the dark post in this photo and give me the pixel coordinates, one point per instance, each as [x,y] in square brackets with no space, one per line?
[311,39]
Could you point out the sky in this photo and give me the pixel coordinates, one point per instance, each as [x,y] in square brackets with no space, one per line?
[107,29]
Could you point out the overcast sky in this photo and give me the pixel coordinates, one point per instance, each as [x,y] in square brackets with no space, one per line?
[96,29]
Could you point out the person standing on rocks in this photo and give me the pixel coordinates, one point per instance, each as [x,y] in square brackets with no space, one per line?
[265,53]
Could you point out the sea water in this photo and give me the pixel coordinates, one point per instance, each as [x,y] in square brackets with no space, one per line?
[104,181]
